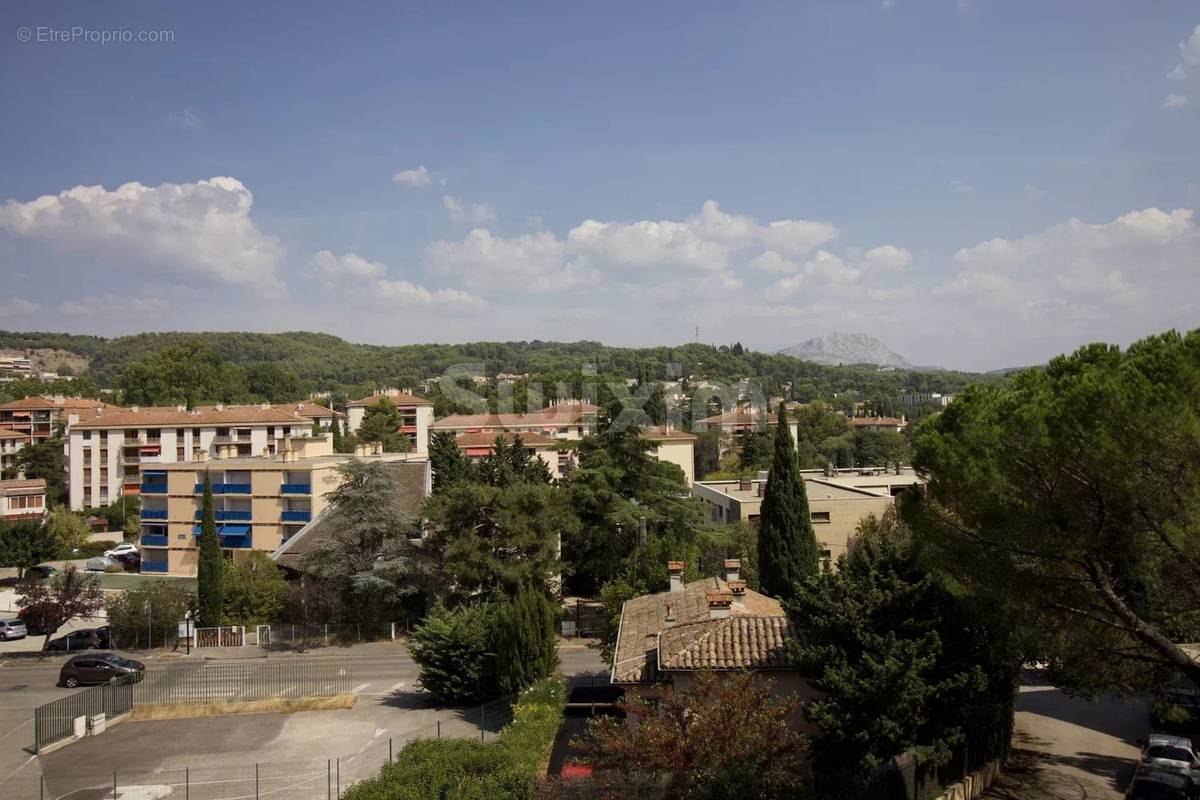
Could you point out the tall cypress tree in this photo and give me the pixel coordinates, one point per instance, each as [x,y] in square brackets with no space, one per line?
[787,546]
[336,430]
[211,567]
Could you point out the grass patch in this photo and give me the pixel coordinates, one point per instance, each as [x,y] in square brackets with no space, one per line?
[129,580]
[280,705]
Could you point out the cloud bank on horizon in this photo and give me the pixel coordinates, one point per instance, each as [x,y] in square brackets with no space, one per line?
[423,250]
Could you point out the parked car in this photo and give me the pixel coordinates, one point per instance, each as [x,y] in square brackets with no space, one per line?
[87,639]
[41,572]
[1174,753]
[12,629]
[125,548]
[101,563]
[99,668]
[1152,783]
[129,560]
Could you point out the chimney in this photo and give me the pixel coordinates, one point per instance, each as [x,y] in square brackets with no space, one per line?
[675,571]
[719,604]
[181,408]
[670,613]
[220,406]
[744,484]
[733,568]
[738,590]
[134,409]
[762,488]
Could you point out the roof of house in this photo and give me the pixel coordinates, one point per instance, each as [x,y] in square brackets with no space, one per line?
[412,479]
[736,642]
[877,422]
[396,396]
[167,416]
[550,417]
[5,433]
[664,433]
[309,409]
[22,486]
[70,404]
[644,618]
[742,416]
[488,438]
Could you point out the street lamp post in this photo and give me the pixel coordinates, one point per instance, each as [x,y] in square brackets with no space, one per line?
[149,635]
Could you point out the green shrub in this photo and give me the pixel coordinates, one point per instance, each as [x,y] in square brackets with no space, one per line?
[524,641]
[453,649]
[460,769]
[92,549]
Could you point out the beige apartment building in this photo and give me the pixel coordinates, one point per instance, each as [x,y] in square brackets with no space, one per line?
[567,420]
[115,453]
[837,503]
[259,502]
[10,443]
[417,414]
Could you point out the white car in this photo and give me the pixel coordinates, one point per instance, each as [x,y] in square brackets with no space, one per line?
[1169,752]
[122,549]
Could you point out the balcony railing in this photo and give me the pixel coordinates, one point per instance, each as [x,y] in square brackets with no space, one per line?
[296,488]
[153,540]
[226,516]
[154,566]
[226,488]
[150,514]
[154,488]
[296,516]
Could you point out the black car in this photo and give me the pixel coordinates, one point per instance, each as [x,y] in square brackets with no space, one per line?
[41,572]
[99,668]
[1154,783]
[88,639]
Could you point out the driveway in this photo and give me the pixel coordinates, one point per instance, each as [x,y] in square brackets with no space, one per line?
[1070,749]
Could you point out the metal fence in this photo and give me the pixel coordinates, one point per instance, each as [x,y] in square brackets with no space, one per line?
[55,721]
[193,683]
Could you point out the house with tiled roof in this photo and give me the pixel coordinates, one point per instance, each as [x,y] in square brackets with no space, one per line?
[416,415]
[738,423]
[716,624]
[893,424]
[36,417]
[22,499]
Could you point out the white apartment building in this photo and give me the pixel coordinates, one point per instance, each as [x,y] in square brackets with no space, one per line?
[417,413]
[113,454]
[924,399]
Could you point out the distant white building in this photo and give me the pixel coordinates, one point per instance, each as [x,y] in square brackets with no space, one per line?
[925,399]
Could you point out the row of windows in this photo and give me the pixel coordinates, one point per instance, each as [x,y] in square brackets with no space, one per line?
[26,501]
[155,434]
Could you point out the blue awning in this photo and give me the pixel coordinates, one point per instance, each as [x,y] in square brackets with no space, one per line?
[233,530]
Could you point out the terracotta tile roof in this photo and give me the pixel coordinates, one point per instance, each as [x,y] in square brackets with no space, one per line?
[397,397]
[742,416]
[5,433]
[488,438]
[644,618]
[552,417]
[25,486]
[168,416]
[74,405]
[412,479]
[660,433]
[736,642]
[308,409]
[880,422]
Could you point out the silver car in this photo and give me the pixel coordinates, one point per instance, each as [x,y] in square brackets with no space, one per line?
[12,629]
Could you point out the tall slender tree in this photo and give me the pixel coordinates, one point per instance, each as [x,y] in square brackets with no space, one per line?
[211,567]
[787,547]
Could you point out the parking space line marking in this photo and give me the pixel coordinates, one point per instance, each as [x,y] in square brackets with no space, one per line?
[358,689]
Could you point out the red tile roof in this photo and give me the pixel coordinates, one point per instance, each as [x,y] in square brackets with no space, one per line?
[488,438]
[397,397]
[75,405]
[877,422]
[168,416]
[661,433]
[26,486]
[551,417]
[742,417]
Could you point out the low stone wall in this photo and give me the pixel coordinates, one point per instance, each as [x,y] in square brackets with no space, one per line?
[974,784]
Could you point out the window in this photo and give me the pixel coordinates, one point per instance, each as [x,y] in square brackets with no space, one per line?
[826,559]
[87,436]
[820,516]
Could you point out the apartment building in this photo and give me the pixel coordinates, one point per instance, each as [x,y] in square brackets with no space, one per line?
[36,418]
[893,424]
[117,452]
[17,366]
[741,422]
[924,399]
[260,502]
[478,445]
[837,503]
[417,413]
[675,446]
[566,420]
[10,443]
[22,499]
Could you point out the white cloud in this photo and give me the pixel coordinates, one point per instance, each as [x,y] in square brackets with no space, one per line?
[413,177]
[469,213]
[1189,55]
[198,233]
[887,257]
[102,305]
[18,307]
[823,271]
[367,281]
[531,262]
[797,236]
[771,261]
[1175,101]
[351,265]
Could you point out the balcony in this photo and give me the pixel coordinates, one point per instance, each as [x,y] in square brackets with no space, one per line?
[153,540]
[149,514]
[154,566]
[234,536]
[226,516]
[154,488]
[296,488]
[226,488]
[296,516]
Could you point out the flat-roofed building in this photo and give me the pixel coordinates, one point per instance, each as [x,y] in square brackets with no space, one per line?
[836,503]
[115,453]
[22,499]
[259,502]
[416,413]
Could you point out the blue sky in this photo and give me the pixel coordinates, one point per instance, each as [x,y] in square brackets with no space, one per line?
[979,183]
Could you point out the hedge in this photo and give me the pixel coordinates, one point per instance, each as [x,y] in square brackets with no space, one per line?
[461,769]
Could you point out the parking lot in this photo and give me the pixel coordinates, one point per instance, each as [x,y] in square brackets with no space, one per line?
[297,755]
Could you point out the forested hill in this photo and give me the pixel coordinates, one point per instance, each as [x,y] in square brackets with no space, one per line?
[324,362]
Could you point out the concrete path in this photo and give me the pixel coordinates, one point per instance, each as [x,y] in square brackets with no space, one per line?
[1070,749]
